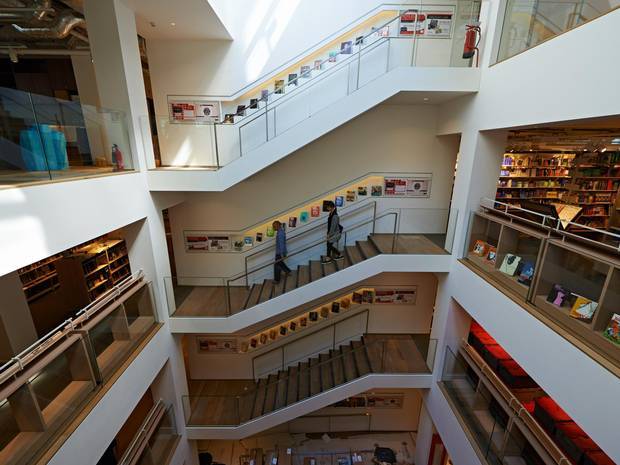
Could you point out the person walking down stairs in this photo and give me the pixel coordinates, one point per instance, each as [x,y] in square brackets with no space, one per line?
[334,231]
[279,266]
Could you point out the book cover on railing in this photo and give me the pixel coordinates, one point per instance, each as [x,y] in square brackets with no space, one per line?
[368,296]
[273,334]
[359,40]
[292,326]
[313,316]
[315,211]
[253,343]
[339,200]
[248,241]
[345,303]
[264,95]
[346,48]
[303,217]
[324,312]
[318,65]
[240,110]
[381,32]
[303,321]
[362,191]
[332,56]
[253,103]
[279,86]
[326,204]
[357,298]
[304,72]
[335,307]
[259,237]
[292,222]
[270,231]
[351,197]
[376,191]
[292,79]
[229,118]
[283,330]
[263,338]
[612,332]
[238,245]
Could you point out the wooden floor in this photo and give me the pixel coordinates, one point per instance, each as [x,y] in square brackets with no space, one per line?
[232,402]
[210,301]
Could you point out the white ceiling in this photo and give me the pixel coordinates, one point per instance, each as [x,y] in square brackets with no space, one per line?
[193,19]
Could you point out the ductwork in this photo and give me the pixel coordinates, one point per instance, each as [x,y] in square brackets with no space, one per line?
[61,28]
[25,11]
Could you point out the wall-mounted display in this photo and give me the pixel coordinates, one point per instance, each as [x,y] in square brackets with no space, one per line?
[211,344]
[201,241]
[431,24]
[378,401]
[195,111]
[408,187]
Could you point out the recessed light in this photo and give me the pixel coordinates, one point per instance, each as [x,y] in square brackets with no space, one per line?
[173,24]
[616,141]
[425,99]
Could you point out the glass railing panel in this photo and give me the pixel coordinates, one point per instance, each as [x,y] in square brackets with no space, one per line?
[44,138]
[528,23]
[162,443]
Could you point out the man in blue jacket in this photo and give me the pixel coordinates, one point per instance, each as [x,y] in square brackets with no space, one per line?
[281,252]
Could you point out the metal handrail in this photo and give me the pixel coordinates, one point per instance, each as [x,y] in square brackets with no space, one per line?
[373,221]
[64,329]
[314,228]
[555,229]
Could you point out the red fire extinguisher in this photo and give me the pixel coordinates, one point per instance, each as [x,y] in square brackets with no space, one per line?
[472,39]
[117,158]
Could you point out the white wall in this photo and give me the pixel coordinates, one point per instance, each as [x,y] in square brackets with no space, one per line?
[389,138]
[382,319]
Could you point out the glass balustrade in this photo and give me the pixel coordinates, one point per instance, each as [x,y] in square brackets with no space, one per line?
[46,139]
[424,36]
[528,23]
[40,400]
[162,443]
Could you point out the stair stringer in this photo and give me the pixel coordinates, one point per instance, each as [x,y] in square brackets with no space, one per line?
[311,404]
[335,282]
[454,81]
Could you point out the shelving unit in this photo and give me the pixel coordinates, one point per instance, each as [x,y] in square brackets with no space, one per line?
[95,268]
[39,278]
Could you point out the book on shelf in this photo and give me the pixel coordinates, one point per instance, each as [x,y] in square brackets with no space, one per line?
[559,295]
[612,332]
[279,86]
[526,273]
[491,255]
[510,264]
[480,248]
[583,308]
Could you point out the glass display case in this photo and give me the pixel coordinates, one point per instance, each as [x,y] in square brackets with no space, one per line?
[484,234]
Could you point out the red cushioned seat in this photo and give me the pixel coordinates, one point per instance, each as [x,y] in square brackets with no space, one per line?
[511,373]
[586,444]
[571,429]
[573,440]
[597,458]
[513,368]
[486,339]
[553,409]
[492,354]
[476,328]
[529,406]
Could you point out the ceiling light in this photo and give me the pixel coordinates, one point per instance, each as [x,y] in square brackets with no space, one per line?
[604,149]
[173,24]
[425,99]
[616,141]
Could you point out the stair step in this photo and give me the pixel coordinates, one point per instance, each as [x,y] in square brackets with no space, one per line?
[332,266]
[253,295]
[367,249]
[353,254]
[293,385]
[291,281]
[337,367]
[279,288]
[361,358]
[303,275]
[270,395]
[304,381]
[259,398]
[315,377]
[375,354]
[327,377]
[377,246]
[266,290]
[316,270]
[348,361]
[282,390]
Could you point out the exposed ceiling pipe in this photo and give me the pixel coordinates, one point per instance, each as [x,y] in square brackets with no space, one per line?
[60,29]
[41,9]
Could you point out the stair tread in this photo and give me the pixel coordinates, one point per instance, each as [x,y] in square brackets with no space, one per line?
[279,288]
[367,249]
[315,377]
[377,245]
[282,390]
[350,371]
[270,395]
[327,379]
[246,404]
[361,360]
[303,275]
[253,295]
[337,367]
[293,384]
[316,270]
[265,291]
[291,281]
[259,398]
[353,254]
[374,352]
[304,381]
[332,267]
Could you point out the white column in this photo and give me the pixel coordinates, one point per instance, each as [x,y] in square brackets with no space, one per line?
[118,70]
[424,437]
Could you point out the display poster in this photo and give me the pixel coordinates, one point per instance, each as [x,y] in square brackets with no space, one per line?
[197,111]
[425,24]
[407,187]
[202,241]
[396,296]
[209,344]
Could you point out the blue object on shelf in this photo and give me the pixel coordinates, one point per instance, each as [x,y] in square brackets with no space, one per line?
[43,148]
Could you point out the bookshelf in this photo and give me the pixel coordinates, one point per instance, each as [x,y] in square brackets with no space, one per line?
[39,278]
[95,268]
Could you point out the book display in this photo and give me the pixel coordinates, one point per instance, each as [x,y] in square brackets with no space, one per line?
[576,286]
[587,182]
[302,215]
[39,278]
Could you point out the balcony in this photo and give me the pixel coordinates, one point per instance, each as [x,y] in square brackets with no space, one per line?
[44,139]
[569,282]
[60,378]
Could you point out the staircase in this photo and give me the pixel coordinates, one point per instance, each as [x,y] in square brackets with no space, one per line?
[362,250]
